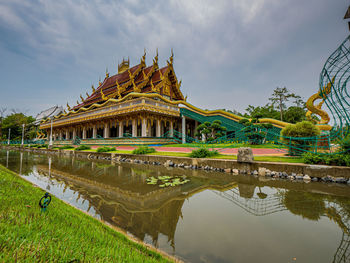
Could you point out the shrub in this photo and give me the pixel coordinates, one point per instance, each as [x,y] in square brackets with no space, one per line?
[66,147]
[203,153]
[82,147]
[143,150]
[42,146]
[105,149]
[335,159]
[294,135]
[345,144]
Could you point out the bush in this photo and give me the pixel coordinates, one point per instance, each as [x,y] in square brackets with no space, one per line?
[66,147]
[42,146]
[335,159]
[143,150]
[105,149]
[203,153]
[298,136]
[345,144]
[82,147]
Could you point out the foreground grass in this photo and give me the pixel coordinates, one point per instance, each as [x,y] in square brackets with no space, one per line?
[62,234]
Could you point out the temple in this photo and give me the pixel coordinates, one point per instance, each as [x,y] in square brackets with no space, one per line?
[124,105]
[138,105]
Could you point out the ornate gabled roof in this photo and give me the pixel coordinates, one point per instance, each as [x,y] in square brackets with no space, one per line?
[53,111]
[139,79]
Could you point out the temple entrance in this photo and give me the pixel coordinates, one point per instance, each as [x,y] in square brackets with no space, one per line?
[113,132]
[100,132]
[89,133]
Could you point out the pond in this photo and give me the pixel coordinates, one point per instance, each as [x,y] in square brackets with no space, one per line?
[214,217]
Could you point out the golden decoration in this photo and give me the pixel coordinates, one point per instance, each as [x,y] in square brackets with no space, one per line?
[93,88]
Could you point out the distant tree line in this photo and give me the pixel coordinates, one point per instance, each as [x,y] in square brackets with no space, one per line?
[14,120]
[283,105]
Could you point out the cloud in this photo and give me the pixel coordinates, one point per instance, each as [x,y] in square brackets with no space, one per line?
[222,47]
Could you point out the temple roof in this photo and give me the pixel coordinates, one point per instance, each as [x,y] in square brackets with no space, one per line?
[139,79]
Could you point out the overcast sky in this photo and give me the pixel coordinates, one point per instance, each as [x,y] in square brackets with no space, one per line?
[229,54]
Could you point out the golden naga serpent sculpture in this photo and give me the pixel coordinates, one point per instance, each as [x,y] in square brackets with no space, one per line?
[316,109]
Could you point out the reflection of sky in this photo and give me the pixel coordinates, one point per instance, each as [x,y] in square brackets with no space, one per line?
[209,228]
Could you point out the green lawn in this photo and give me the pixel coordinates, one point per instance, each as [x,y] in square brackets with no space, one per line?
[62,234]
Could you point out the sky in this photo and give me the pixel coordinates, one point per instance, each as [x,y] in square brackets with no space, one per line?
[228,54]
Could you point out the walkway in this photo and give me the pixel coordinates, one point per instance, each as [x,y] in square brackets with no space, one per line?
[259,151]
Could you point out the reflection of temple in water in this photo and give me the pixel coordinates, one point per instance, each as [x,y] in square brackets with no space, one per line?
[259,205]
[121,196]
[299,203]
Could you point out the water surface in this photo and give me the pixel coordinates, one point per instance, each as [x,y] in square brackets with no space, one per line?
[216,217]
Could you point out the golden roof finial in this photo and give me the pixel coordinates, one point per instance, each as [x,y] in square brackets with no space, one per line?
[82,99]
[78,102]
[107,73]
[93,88]
[87,94]
[99,81]
[171,57]
[68,106]
[155,60]
[143,59]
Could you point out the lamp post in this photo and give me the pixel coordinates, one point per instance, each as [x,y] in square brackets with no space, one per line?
[8,142]
[50,144]
[22,134]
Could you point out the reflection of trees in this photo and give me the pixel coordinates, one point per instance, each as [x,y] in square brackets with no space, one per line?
[307,205]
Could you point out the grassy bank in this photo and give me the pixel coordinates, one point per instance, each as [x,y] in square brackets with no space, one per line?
[62,234]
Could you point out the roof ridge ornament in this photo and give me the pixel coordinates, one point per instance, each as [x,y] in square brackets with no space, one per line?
[171,59]
[69,108]
[143,59]
[93,88]
[107,73]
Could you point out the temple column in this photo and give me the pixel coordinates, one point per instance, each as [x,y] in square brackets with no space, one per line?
[183,129]
[134,128]
[106,131]
[158,128]
[94,131]
[149,129]
[84,133]
[195,128]
[74,133]
[67,134]
[121,129]
[171,131]
[60,135]
[144,128]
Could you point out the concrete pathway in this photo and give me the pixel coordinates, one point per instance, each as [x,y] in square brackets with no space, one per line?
[259,151]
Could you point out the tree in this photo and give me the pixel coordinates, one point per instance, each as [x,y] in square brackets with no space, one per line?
[255,132]
[294,135]
[294,114]
[280,96]
[15,122]
[2,115]
[210,131]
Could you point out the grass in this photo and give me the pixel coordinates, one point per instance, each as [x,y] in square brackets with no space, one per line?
[62,234]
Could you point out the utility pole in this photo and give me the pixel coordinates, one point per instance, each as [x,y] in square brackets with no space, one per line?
[22,134]
[50,144]
[8,142]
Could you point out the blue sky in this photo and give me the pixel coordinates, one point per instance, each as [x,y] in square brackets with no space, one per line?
[229,54]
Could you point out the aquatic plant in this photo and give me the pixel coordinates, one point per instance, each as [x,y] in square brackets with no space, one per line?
[166,181]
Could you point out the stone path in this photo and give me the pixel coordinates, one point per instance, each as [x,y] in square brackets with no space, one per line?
[259,151]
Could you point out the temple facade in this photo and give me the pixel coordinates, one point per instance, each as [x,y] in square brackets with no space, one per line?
[137,102]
